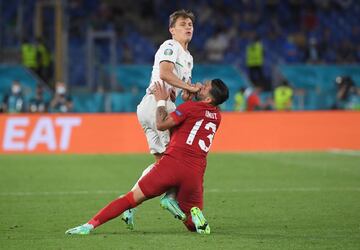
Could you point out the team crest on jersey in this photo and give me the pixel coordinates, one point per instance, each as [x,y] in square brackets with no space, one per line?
[168,52]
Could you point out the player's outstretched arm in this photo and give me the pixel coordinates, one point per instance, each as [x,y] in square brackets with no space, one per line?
[167,75]
[163,120]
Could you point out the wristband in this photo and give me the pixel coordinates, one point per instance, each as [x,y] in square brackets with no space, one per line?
[161,103]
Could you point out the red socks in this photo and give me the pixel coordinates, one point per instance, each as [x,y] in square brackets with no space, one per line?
[113,209]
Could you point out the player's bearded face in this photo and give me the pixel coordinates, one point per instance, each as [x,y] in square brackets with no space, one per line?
[203,92]
[183,29]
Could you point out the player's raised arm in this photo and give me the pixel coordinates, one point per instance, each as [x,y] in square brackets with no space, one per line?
[167,75]
[163,120]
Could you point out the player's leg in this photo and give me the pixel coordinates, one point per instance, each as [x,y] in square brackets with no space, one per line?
[198,219]
[128,215]
[146,114]
[112,210]
[190,198]
[153,184]
[167,180]
[157,142]
[156,148]
[168,201]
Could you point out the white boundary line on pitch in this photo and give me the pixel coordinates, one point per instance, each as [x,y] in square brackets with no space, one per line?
[344,152]
[246,190]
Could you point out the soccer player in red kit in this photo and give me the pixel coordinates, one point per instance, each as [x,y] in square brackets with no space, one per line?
[183,165]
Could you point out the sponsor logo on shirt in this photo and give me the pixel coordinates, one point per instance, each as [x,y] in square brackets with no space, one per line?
[168,52]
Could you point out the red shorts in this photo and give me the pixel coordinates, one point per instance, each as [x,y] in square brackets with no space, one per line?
[172,172]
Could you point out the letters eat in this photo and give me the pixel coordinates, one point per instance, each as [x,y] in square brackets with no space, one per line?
[17,128]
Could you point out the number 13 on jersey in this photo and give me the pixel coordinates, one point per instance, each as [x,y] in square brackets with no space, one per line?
[209,126]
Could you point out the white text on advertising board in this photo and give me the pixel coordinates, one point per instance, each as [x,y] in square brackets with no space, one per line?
[19,137]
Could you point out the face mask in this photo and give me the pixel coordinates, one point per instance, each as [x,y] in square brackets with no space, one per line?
[61,90]
[16,89]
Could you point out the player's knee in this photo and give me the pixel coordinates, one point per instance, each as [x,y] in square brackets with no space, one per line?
[130,198]
[136,196]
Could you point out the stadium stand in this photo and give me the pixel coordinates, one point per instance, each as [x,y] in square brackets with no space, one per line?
[314,33]
[318,81]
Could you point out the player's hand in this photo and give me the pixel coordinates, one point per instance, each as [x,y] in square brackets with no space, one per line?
[199,85]
[192,88]
[187,95]
[160,92]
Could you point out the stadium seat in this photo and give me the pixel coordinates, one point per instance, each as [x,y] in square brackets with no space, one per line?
[8,73]
[122,102]
[88,102]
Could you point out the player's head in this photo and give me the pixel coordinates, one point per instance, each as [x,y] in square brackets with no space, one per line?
[60,88]
[214,92]
[16,87]
[181,25]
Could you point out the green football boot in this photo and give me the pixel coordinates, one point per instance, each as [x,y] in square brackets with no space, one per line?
[201,225]
[81,230]
[173,207]
[128,218]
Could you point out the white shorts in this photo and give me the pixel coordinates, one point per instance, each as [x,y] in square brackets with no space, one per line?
[146,114]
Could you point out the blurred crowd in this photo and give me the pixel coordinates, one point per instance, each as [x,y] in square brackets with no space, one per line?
[281,98]
[295,30]
[289,31]
[253,35]
[43,100]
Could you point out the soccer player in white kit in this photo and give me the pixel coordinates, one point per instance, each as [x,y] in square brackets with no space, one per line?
[172,65]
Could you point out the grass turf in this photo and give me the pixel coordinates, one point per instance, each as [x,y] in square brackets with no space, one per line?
[252,201]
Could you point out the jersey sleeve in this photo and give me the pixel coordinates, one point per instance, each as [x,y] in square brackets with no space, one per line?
[181,112]
[168,52]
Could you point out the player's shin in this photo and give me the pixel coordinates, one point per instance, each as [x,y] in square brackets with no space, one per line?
[113,209]
[128,215]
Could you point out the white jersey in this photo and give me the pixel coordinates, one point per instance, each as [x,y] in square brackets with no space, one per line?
[172,51]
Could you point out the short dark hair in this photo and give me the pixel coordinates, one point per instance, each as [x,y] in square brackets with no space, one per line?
[180,13]
[219,91]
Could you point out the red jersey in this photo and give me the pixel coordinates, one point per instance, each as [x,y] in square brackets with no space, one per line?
[192,139]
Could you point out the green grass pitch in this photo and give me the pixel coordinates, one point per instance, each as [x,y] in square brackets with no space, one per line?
[252,201]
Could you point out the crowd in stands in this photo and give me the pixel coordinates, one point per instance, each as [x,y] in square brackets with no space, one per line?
[253,35]
[16,102]
[281,98]
[292,31]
